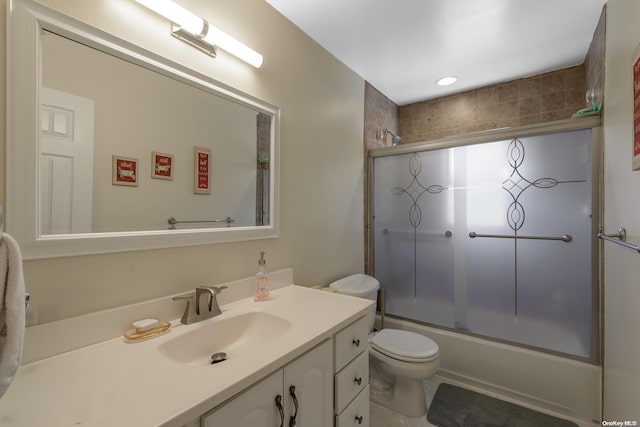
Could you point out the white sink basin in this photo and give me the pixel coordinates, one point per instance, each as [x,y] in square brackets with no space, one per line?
[233,335]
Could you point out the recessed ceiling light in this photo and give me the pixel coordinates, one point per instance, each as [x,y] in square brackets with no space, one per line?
[445,81]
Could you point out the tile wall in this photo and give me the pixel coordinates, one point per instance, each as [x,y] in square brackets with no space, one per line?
[379,113]
[542,98]
[594,63]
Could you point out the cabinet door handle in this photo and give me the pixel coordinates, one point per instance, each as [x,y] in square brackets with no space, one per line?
[280,409]
[358,380]
[292,392]
[359,419]
[356,342]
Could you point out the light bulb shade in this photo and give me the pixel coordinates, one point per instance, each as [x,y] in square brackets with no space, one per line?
[177,14]
[233,46]
[205,36]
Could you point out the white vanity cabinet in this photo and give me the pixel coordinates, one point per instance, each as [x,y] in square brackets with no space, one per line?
[351,395]
[311,376]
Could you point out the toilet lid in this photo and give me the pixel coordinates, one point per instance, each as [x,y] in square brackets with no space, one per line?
[404,345]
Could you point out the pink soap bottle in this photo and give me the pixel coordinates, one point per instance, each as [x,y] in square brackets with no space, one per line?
[262,290]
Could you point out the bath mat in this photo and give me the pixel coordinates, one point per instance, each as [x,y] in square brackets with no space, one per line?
[458,407]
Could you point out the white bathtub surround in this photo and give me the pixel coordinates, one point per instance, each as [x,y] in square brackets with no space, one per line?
[554,385]
[102,381]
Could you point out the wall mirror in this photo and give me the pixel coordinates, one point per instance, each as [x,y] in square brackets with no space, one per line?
[113,148]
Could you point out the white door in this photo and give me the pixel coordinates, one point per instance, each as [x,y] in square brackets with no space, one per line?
[255,407]
[66,162]
[312,377]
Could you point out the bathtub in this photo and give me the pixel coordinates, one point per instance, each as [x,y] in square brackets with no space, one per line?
[554,384]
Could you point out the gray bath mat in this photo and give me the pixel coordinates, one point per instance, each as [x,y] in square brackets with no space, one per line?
[457,407]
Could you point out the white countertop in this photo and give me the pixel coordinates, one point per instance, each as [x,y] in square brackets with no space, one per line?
[113,383]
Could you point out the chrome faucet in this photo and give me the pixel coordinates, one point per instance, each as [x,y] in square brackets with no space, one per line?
[196,313]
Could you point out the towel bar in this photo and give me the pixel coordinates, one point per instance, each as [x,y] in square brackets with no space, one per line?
[619,238]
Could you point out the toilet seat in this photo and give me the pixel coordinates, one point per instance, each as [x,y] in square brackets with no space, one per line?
[404,345]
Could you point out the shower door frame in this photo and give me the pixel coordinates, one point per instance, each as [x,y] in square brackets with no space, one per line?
[597,206]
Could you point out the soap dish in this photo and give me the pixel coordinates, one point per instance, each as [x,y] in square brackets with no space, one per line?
[134,335]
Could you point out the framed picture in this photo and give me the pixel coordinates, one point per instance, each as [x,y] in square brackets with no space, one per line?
[161,166]
[124,171]
[201,170]
[635,163]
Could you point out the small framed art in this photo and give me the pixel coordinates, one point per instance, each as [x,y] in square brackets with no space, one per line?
[201,170]
[635,162]
[124,171]
[161,166]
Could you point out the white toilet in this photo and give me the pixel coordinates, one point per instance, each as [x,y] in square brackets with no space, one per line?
[399,360]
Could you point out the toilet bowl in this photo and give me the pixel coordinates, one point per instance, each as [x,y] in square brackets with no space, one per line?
[399,361]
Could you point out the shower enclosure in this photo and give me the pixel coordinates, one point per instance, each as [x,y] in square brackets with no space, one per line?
[492,235]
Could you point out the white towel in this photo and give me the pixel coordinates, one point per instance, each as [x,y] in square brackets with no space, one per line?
[12,310]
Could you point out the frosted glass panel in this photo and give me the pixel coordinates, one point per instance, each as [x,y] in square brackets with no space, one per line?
[501,283]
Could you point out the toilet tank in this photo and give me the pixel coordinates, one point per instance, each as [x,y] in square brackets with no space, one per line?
[362,286]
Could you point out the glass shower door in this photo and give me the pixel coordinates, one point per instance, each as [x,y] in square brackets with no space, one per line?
[493,239]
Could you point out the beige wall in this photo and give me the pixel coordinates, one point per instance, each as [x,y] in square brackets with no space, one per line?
[622,208]
[322,104]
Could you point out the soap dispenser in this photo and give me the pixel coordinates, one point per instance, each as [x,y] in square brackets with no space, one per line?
[261,292]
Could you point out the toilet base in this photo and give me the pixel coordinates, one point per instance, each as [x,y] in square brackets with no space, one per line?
[381,416]
[399,385]
[406,397]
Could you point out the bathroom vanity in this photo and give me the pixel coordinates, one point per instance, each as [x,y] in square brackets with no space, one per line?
[302,342]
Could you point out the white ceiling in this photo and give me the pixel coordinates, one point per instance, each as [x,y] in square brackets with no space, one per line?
[403,46]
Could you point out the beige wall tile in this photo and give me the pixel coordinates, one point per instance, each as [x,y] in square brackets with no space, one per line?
[530,119]
[575,99]
[551,116]
[552,82]
[528,106]
[574,77]
[552,101]
[488,125]
[529,88]
[507,92]
[488,96]
[507,110]
[487,113]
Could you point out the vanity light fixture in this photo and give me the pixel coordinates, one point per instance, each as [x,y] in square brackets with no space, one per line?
[196,31]
[446,81]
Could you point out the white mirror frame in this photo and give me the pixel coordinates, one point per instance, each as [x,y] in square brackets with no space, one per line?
[26,20]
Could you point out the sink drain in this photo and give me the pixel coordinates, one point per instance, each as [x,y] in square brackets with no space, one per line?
[218,357]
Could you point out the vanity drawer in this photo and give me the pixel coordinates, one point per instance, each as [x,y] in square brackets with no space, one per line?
[357,413]
[350,342]
[351,380]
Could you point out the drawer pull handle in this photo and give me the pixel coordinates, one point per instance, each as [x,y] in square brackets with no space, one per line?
[359,419]
[358,380]
[356,342]
[292,419]
[280,409]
